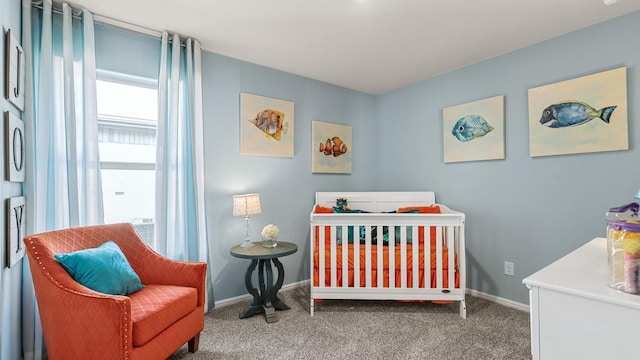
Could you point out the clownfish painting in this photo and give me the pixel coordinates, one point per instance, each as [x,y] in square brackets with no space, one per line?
[334,146]
[271,123]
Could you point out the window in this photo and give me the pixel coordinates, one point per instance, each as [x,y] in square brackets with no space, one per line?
[127,123]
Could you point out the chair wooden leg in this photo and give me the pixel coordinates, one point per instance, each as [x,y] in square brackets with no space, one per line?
[193,343]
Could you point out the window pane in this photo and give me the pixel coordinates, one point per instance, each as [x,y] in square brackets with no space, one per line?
[129,196]
[129,101]
[127,123]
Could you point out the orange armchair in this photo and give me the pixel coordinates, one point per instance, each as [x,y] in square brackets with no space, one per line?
[79,323]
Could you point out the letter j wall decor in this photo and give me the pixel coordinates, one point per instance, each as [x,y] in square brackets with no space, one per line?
[581,115]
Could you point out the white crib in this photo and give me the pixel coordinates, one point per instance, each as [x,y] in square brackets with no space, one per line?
[442,246]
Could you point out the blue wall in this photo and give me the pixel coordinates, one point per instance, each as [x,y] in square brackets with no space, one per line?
[286,185]
[122,51]
[10,278]
[530,211]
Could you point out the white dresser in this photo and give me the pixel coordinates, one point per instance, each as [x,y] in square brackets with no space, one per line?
[575,315]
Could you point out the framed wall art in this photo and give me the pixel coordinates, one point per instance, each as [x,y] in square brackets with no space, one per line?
[14,148]
[16,228]
[474,130]
[14,71]
[331,148]
[581,115]
[266,126]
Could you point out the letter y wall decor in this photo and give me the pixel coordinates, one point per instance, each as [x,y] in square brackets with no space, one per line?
[16,228]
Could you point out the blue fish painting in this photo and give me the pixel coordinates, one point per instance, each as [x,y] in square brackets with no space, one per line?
[471,127]
[572,113]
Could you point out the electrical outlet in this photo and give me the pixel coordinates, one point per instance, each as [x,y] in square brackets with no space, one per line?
[508,268]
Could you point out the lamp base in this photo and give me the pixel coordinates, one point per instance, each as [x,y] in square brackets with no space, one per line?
[246,243]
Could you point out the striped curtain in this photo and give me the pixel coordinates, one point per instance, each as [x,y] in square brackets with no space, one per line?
[62,186]
[180,222]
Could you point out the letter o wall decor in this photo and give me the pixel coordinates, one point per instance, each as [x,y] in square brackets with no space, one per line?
[14,148]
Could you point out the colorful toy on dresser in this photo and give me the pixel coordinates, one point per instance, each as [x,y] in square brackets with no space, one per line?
[623,246]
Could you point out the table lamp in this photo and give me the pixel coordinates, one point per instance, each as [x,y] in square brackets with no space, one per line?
[246,205]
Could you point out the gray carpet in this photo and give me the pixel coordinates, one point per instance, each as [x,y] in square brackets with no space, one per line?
[346,329]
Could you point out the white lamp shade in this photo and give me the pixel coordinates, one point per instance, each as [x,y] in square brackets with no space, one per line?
[247,204]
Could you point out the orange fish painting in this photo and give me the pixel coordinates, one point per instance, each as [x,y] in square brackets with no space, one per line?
[334,146]
[271,123]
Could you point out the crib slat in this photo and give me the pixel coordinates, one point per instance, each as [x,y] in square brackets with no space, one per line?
[415,245]
[333,255]
[356,257]
[439,257]
[367,249]
[427,256]
[392,259]
[380,268]
[345,255]
[462,268]
[321,252]
[452,264]
[403,254]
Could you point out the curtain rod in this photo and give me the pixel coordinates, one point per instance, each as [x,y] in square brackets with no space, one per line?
[110,22]
[119,24]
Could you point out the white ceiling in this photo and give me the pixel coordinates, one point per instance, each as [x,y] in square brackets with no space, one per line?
[371,46]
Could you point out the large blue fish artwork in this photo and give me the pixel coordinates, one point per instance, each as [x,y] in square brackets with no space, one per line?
[572,113]
[471,127]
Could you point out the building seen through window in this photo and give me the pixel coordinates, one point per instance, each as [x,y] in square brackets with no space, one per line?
[127,123]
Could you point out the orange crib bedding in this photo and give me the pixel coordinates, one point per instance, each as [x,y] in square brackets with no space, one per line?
[385,266]
[429,234]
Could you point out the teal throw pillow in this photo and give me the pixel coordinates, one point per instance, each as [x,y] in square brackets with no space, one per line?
[104,269]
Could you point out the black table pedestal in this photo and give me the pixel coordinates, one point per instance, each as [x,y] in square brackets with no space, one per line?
[266,298]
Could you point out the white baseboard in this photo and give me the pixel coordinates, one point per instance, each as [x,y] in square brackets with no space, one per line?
[499,300]
[496,299]
[237,299]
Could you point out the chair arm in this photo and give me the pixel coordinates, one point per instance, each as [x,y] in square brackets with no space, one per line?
[157,269]
[78,320]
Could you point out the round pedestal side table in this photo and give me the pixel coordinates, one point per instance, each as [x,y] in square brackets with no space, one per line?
[265,297]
